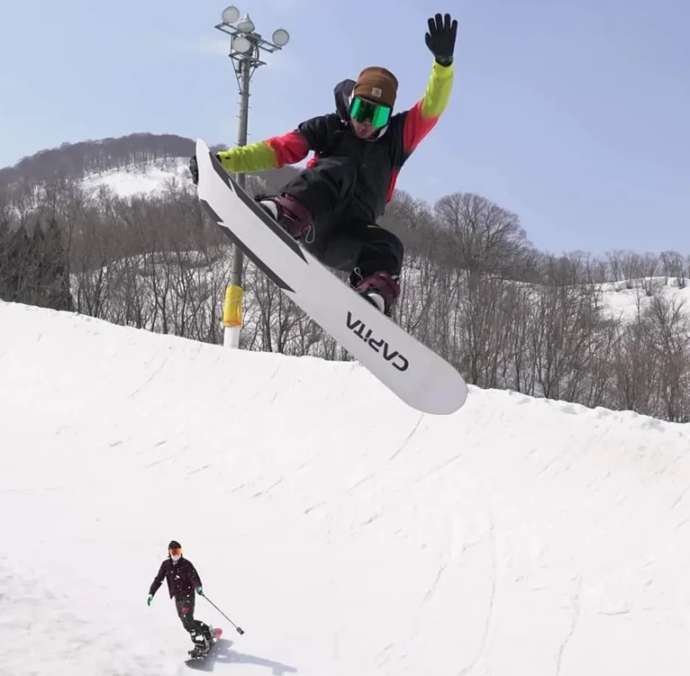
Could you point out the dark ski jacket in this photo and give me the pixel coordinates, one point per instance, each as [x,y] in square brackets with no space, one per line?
[378,161]
[182,577]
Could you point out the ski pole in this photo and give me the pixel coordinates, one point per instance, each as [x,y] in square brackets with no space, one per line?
[239,629]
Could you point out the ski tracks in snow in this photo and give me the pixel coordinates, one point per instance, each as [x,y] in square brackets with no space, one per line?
[575,603]
[408,438]
[490,601]
[153,375]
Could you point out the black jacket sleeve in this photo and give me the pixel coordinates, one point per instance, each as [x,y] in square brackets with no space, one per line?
[194,576]
[158,580]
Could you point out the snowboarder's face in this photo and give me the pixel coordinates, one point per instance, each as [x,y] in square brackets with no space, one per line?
[364,129]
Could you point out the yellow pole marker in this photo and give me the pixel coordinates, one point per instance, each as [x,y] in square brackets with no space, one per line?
[232,307]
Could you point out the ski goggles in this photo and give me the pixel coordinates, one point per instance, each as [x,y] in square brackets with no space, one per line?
[378,114]
[175,551]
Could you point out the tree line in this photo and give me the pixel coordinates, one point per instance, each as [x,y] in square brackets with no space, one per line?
[34,266]
[473,288]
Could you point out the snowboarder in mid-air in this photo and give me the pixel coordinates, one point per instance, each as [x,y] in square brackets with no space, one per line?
[332,206]
[183,581]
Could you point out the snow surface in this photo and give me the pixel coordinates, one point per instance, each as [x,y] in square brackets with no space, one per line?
[345,532]
[623,303]
[146,179]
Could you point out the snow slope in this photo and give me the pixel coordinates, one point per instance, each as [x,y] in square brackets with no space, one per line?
[142,180]
[346,533]
[621,302]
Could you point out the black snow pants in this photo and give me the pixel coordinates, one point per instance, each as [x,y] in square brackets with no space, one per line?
[185,611]
[346,236]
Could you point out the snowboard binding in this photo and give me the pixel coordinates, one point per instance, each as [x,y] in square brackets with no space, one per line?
[202,646]
[204,642]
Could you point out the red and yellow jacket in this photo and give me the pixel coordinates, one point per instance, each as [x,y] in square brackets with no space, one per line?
[379,161]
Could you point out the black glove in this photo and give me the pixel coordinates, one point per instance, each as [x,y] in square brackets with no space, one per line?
[194,169]
[441,38]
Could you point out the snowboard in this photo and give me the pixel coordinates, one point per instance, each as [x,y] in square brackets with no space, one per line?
[196,654]
[416,374]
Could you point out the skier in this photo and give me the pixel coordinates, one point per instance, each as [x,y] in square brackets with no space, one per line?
[183,580]
[333,205]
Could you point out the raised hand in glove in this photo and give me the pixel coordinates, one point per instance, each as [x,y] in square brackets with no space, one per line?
[441,38]
[149,598]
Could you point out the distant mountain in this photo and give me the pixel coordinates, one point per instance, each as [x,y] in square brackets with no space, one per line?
[76,160]
[114,158]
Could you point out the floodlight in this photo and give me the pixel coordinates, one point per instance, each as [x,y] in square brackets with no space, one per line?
[230,15]
[281,37]
[245,24]
[241,44]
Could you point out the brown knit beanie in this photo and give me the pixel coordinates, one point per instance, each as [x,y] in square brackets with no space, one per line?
[377,84]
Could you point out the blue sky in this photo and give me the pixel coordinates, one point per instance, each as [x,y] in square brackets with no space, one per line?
[574,115]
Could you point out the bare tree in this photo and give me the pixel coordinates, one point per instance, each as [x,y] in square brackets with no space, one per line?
[650,264]
[567,317]
[674,266]
[671,341]
[634,368]
[484,238]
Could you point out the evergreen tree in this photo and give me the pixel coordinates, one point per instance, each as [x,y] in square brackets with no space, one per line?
[56,270]
[18,273]
[37,269]
[4,259]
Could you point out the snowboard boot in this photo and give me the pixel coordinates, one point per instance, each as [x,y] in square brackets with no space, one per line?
[202,644]
[294,218]
[380,288]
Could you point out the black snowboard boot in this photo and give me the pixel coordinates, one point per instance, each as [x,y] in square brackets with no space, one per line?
[202,644]
[381,289]
[294,217]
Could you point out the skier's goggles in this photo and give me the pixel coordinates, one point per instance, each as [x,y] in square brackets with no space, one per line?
[362,109]
[175,551]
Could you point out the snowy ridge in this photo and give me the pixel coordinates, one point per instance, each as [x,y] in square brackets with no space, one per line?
[345,532]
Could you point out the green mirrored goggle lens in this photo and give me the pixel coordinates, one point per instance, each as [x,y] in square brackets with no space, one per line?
[378,114]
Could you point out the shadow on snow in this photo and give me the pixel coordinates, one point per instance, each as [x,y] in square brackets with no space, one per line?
[221,654]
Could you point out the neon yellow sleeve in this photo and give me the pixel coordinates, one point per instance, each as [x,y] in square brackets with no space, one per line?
[438,88]
[247,159]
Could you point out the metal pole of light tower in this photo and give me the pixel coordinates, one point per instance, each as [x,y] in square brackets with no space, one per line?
[245,74]
[246,50]
[232,332]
